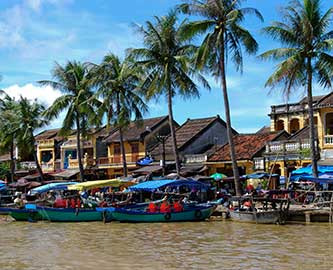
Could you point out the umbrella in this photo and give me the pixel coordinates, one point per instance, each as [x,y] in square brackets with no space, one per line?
[218,176]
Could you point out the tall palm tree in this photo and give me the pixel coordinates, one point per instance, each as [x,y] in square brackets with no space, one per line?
[118,84]
[224,37]
[74,82]
[307,40]
[31,118]
[166,61]
[9,126]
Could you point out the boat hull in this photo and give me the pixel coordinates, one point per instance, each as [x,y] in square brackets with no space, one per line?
[265,217]
[128,215]
[69,214]
[25,215]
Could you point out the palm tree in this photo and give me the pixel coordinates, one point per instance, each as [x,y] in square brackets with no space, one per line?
[166,63]
[9,126]
[31,118]
[224,38]
[117,84]
[74,82]
[306,39]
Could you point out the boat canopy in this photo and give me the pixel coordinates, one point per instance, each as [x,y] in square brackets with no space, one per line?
[51,186]
[156,184]
[100,184]
[320,180]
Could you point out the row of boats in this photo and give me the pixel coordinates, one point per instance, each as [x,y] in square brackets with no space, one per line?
[241,209]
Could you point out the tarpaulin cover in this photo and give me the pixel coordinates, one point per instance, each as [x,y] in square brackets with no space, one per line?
[52,186]
[156,184]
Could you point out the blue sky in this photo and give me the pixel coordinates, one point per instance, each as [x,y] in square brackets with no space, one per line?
[36,33]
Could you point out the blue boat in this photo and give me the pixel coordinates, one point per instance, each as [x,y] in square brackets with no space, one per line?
[193,213]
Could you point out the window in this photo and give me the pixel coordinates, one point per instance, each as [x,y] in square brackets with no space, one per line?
[135,148]
[116,149]
[294,125]
[329,124]
[279,125]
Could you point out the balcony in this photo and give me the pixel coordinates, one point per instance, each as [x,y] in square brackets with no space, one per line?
[116,161]
[51,166]
[73,144]
[328,140]
[45,143]
[296,149]
[199,158]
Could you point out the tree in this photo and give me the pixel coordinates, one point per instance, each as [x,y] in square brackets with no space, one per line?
[9,126]
[224,38]
[74,82]
[166,61]
[30,114]
[117,84]
[306,39]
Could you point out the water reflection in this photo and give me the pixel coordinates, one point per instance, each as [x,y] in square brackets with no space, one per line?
[204,245]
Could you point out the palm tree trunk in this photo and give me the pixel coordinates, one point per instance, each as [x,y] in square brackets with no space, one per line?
[311,120]
[123,153]
[172,130]
[12,162]
[122,146]
[78,146]
[34,153]
[228,120]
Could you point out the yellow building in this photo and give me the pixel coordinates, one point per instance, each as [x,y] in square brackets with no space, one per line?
[139,138]
[295,152]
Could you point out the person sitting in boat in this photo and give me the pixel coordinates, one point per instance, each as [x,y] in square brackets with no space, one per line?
[152,207]
[165,206]
[177,206]
[19,201]
[247,205]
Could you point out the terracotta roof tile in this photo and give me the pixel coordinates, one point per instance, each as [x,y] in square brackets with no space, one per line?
[246,146]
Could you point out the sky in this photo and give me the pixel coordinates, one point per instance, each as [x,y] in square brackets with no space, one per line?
[34,34]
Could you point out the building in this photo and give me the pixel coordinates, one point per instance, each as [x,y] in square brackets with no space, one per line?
[48,144]
[195,138]
[139,139]
[295,152]
[249,150]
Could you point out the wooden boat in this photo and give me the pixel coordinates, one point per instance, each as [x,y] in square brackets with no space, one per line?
[197,213]
[260,210]
[259,217]
[22,214]
[69,214]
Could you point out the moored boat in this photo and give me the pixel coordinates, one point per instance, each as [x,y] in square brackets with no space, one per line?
[259,210]
[195,213]
[23,214]
[259,217]
[69,214]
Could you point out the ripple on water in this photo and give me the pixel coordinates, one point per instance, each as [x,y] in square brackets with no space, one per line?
[204,245]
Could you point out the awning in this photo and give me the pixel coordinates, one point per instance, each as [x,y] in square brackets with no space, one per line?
[319,180]
[66,173]
[156,184]
[53,186]
[99,184]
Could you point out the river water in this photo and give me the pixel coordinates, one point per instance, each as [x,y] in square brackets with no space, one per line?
[202,245]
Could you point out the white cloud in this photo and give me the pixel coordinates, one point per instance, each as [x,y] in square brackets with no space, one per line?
[44,94]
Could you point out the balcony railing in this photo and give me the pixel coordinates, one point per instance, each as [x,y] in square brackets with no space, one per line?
[284,147]
[45,143]
[72,143]
[51,166]
[117,160]
[328,139]
[199,158]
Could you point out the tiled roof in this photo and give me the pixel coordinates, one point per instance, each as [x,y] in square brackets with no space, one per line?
[190,130]
[264,129]
[325,101]
[136,130]
[246,146]
[302,134]
[48,134]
